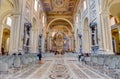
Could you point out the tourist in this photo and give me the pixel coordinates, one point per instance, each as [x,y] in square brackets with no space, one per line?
[40,56]
[2,50]
[79,56]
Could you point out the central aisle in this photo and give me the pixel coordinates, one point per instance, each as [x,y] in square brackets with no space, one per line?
[61,67]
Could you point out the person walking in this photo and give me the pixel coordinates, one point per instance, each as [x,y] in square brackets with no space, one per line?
[79,57]
[40,56]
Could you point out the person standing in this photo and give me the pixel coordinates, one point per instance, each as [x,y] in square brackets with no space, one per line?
[40,56]
[2,50]
[79,57]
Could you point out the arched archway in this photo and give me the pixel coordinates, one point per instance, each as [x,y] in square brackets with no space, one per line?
[5,41]
[9,8]
[86,37]
[113,5]
[115,29]
[115,24]
[59,25]
[63,19]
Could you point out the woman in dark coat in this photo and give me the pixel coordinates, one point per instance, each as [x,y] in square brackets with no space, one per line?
[40,56]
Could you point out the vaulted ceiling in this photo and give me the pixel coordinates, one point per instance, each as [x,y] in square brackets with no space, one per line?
[59,8]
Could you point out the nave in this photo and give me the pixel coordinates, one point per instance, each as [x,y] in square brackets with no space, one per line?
[56,67]
[51,27]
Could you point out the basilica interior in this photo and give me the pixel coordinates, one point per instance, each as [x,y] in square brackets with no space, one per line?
[59,39]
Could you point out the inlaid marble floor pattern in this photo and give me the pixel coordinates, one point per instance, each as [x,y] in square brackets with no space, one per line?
[61,67]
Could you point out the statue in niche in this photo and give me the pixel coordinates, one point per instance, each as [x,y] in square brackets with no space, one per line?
[27,33]
[27,36]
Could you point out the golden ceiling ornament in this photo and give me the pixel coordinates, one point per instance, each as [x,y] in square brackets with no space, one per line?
[59,3]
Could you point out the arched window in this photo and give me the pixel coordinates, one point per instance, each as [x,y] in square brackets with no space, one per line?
[39,5]
[43,20]
[77,18]
[84,5]
[112,20]
[35,5]
[9,21]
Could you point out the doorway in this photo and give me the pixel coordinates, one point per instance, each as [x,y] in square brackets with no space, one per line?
[5,41]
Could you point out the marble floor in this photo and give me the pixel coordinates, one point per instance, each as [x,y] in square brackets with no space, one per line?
[60,67]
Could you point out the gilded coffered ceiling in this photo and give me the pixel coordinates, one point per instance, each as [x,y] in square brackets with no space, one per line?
[59,8]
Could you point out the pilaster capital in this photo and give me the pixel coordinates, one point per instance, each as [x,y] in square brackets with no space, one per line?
[104,12]
[47,33]
[72,33]
[16,13]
